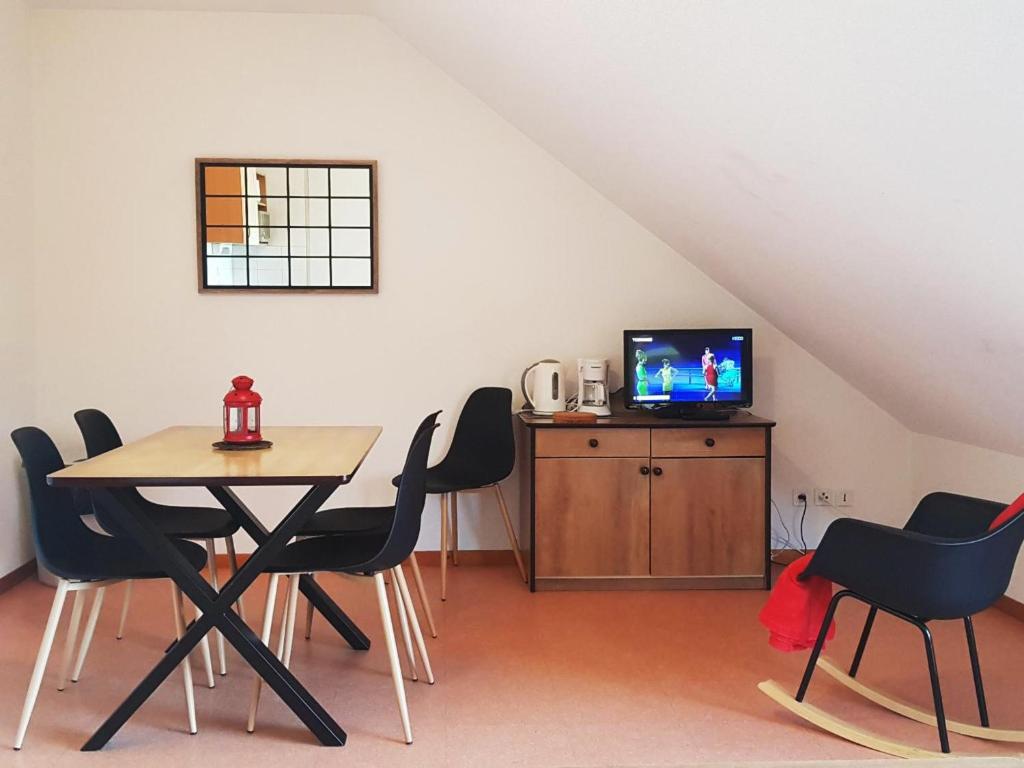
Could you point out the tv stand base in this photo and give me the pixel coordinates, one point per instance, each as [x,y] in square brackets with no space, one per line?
[692,414]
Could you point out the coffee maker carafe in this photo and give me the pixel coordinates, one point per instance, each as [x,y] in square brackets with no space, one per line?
[593,386]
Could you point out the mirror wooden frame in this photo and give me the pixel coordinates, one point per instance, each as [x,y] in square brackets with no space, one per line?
[202,163]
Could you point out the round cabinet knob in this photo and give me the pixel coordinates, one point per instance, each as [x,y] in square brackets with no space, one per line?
[657,470]
[710,442]
[645,470]
[592,442]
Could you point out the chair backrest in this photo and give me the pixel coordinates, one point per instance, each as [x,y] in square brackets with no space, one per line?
[100,435]
[412,495]
[953,516]
[483,449]
[985,561]
[62,539]
[98,431]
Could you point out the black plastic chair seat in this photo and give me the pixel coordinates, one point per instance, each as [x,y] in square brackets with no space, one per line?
[347,554]
[191,522]
[441,479]
[349,520]
[109,557]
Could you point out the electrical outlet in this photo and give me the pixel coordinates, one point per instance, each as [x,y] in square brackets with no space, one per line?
[797,493]
[823,497]
[844,498]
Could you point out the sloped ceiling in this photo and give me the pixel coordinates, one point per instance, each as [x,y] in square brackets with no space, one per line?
[852,170]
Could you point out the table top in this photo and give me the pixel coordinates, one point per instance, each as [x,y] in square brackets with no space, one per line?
[184,456]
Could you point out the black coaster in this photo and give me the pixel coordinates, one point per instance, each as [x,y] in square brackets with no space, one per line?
[221,445]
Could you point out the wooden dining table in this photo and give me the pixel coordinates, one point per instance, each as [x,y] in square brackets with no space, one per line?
[322,458]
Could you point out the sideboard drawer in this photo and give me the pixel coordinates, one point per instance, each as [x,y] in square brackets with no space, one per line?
[697,442]
[603,442]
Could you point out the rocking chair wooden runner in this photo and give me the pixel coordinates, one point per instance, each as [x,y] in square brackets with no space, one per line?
[944,564]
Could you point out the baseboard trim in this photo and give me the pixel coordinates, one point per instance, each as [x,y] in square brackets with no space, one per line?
[787,556]
[17,576]
[427,557]
[1011,607]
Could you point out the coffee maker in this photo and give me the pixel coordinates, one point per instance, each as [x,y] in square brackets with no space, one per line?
[592,375]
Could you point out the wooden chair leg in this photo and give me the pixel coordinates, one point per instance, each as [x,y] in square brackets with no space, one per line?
[211,551]
[186,668]
[454,527]
[90,627]
[288,630]
[444,547]
[421,590]
[414,620]
[403,622]
[41,658]
[204,648]
[396,669]
[229,542]
[309,619]
[309,613]
[124,609]
[71,638]
[511,533]
[268,620]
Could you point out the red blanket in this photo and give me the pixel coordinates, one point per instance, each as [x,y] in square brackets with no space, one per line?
[1008,514]
[795,609]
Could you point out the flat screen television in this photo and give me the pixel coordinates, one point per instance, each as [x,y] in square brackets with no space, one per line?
[699,368]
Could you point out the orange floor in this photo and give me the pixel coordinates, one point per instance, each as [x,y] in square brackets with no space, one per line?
[555,679]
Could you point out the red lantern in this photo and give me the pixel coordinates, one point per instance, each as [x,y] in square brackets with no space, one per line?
[242,412]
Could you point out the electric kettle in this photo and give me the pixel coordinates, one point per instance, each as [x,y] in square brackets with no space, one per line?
[545,394]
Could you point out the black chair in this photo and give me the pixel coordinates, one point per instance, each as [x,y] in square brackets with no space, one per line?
[367,520]
[365,555]
[482,454]
[199,523]
[944,564]
[82,560]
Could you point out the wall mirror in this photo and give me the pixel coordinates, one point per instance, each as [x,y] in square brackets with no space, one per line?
[287,225]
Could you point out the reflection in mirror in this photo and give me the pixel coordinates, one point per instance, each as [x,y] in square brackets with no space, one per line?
[264,271]
[350,182]
[311,272]
[350,212]
[308,211]
[355,272]
[226,271]
[350,242]
[306,241]
[225,241]
[273,224]
[307,182]
[266,182]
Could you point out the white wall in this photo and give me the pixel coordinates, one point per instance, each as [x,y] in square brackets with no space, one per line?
[851,170]
[493,254]
[943,465]
[16,313]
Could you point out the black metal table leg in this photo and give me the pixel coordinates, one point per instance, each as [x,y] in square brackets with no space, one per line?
[338,619]
[217,611]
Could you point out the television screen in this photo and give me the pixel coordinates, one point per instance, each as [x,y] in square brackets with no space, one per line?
[699,367]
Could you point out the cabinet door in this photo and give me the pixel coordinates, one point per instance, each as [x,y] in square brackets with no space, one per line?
[592,517]
[707,517]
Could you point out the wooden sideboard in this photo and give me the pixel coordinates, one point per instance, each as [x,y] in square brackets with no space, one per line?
[637,502]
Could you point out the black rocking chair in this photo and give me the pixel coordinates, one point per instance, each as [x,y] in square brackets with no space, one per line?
[944,564]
